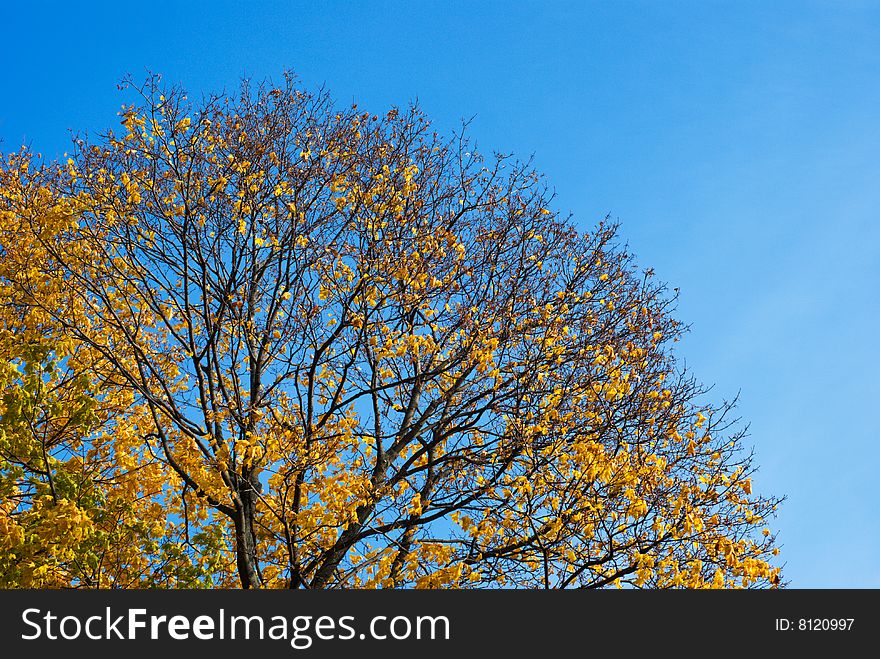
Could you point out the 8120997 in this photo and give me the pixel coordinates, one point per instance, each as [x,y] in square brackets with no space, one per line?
[815,624]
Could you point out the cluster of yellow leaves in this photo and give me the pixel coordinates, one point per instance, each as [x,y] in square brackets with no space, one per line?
[83,503]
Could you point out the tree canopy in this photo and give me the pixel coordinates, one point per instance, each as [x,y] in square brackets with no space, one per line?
[260,340]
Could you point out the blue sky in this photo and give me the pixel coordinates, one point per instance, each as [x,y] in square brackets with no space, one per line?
[737,143]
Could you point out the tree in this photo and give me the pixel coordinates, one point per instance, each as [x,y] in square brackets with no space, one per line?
[368,357]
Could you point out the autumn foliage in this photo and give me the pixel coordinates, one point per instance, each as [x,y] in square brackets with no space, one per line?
[263,341]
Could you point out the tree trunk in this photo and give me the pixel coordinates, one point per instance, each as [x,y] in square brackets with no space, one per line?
[245,540]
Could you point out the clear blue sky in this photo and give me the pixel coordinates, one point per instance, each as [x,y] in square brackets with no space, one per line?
[737,143]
